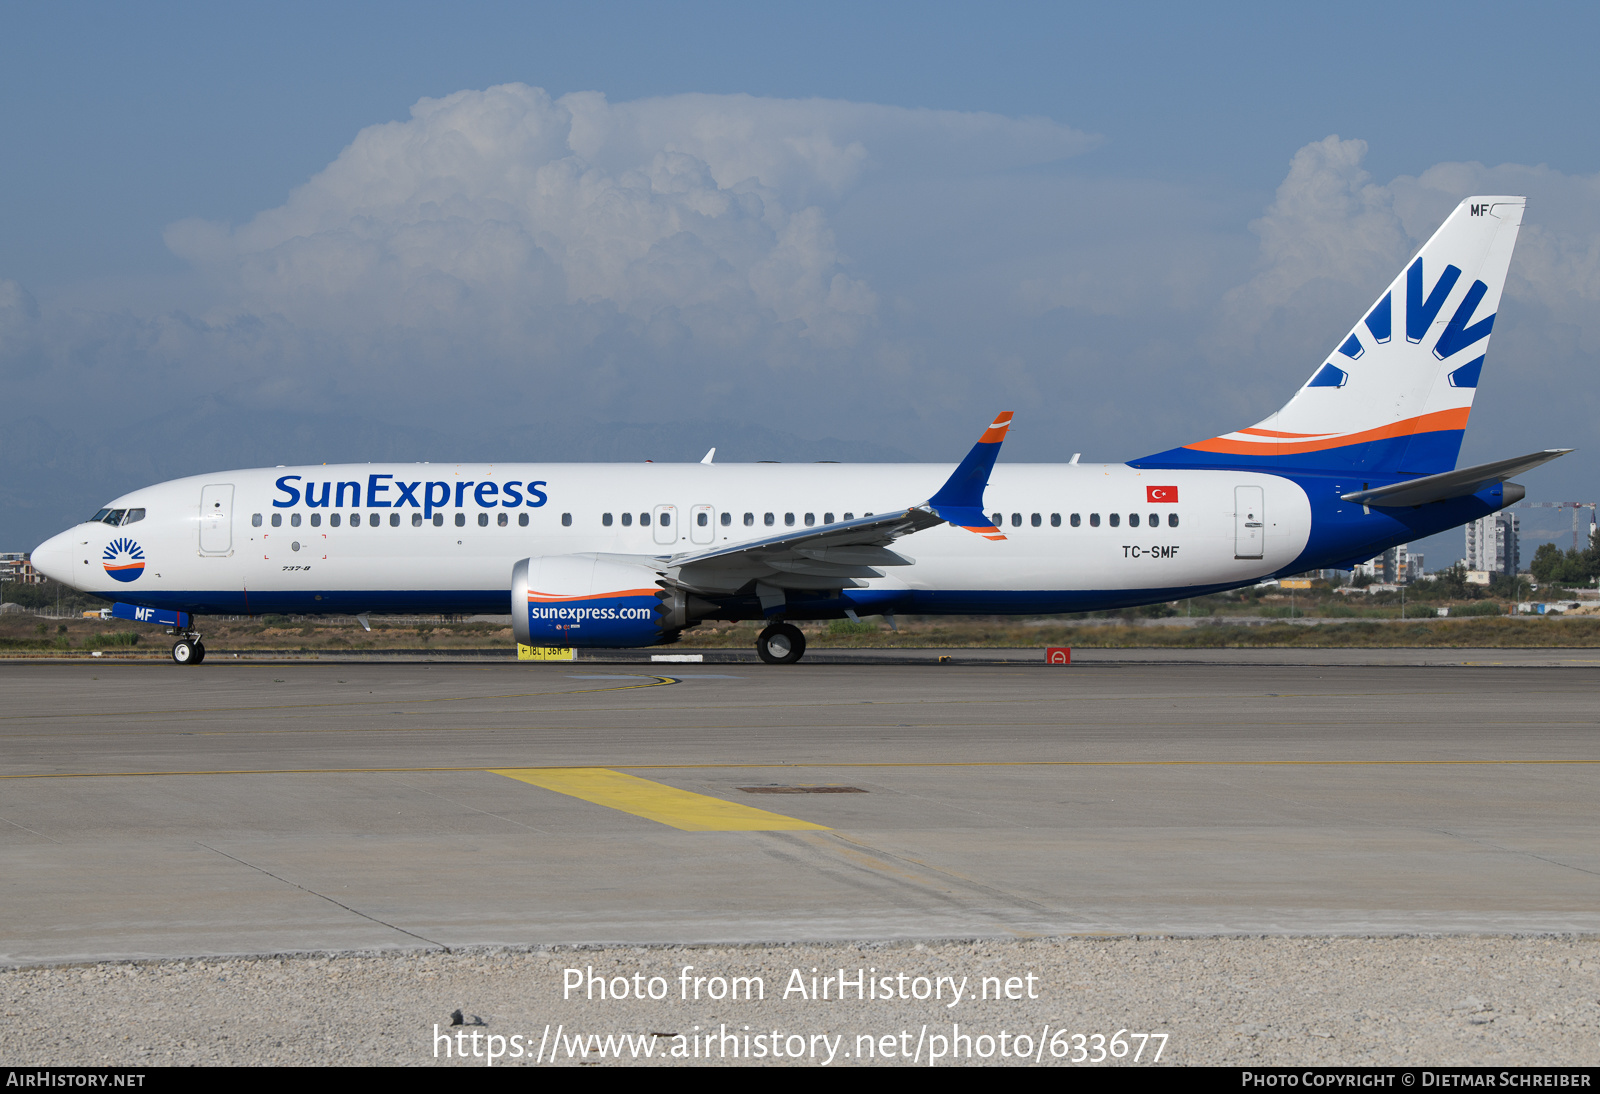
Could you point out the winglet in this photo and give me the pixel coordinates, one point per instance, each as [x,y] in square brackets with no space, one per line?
[960,499]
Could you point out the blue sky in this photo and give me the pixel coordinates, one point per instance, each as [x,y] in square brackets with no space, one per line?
[1048,208]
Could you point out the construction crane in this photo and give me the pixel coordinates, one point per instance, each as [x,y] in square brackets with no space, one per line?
[1573,505]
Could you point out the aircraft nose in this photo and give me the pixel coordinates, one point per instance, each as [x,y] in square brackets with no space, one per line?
[53,558]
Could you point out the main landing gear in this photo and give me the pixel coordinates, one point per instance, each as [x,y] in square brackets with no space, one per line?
[188,650]
[781,644]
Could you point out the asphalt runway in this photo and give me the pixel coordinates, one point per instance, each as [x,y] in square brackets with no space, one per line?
[240,808]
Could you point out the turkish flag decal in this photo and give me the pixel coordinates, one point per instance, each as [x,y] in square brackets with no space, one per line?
[1161,493]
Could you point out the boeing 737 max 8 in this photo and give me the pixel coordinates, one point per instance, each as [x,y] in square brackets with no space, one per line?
[612,555]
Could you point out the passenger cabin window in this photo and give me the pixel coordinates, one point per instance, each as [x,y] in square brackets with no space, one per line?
[644,520]
[416,520]
[811,518]
[1035,520]
[1055,520]
[666,519]
[627,520]
[1133,520]
[827,518]
[749,519]
[997,519]
[1016,520]
[788,520]
[394,520]
[316,520]
[483,519]
[522,520]
[1155,520]
[1172,520]
[727,519]
[1116,519]
[461,520]
[255,520]
[333,520]
[277,520]
[605,520]
[849,516]
[566,520]
[503,519]
[294,520]
[1077,520]
[768,519]
[1094,520]
[372,519]
[438,520]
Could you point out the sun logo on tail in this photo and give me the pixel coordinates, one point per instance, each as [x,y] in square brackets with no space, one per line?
[124,559]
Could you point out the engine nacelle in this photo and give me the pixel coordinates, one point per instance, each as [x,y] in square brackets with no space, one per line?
[590,602]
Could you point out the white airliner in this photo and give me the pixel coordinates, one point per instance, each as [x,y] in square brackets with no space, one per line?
[615,555]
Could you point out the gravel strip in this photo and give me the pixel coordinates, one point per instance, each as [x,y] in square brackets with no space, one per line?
[1242,1001]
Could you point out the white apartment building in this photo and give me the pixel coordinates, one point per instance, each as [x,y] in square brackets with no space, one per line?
[1396,566]
[1492,544]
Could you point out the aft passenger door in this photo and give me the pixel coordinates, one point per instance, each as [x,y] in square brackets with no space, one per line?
[216,519]
[1249,522]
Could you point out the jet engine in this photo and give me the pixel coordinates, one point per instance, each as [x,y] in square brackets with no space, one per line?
[593,602]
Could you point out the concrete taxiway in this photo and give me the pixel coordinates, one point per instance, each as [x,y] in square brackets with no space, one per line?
[249,807]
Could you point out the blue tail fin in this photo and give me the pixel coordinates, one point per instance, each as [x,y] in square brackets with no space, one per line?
[1394,396]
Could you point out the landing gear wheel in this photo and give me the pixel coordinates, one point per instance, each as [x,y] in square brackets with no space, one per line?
[781,644]
[185,652]
[199,654]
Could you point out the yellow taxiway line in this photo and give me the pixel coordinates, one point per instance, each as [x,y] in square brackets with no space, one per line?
[655,801]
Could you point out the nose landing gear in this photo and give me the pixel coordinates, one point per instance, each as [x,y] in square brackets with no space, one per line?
[781,644]
[188,649]
[185,652]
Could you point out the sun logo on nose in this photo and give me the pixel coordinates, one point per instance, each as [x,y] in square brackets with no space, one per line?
[124,559]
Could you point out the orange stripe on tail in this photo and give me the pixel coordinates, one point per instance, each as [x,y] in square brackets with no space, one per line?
[1438,421]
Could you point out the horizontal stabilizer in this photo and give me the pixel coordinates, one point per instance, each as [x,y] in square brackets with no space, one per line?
[1452,484]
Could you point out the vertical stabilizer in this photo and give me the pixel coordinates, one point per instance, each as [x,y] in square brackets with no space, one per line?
[1394,395]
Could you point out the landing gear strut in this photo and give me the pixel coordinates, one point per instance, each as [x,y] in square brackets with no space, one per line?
[781,644]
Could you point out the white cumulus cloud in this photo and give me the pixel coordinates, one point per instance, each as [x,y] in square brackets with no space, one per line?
[510,210]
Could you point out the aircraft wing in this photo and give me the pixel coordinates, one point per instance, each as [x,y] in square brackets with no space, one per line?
[1451,484]
[834,556]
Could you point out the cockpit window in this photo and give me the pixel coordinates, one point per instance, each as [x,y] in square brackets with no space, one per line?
[98,517]
[114,517]
[133,515]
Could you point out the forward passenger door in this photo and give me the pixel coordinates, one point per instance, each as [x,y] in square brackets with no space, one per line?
[216,519]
